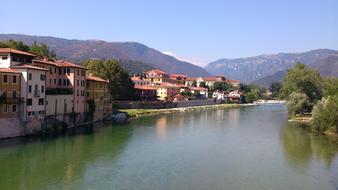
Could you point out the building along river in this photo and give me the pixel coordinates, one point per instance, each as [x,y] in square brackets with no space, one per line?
[237,148]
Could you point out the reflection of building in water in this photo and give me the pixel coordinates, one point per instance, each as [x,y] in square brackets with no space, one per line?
[233,117]
[161,127]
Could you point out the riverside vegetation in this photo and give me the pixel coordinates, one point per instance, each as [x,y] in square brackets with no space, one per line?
[308,94]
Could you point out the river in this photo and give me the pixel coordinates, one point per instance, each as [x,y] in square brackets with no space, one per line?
[238,148]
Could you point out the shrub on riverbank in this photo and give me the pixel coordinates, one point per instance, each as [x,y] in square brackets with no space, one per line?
[296,103]
[325,115]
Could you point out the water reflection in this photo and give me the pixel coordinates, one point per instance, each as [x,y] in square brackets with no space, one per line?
[301,147]
[57,162]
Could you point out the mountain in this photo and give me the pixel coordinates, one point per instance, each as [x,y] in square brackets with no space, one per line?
[266,81]
[80,50]
[326,67]
[252,69]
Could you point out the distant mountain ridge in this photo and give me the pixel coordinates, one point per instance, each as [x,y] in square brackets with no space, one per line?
[252,69]
[81,50]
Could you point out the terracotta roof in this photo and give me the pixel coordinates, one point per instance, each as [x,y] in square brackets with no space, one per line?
[45,62]
[94,78]
[233,81]
[191,78]
[64,63]
[166,84]
[158,71]
[25,66]
[213,78]
[11,50]
[7,70]
[178,75]
[145,87]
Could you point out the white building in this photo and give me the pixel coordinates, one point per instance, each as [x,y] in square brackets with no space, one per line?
[33,90]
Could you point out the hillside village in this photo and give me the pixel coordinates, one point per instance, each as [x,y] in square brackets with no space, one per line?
[36,92]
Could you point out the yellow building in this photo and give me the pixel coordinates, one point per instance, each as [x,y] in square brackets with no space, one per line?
[157,76]
[97,90]
[10,90]
[167,91]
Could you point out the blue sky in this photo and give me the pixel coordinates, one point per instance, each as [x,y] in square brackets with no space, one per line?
[197,31]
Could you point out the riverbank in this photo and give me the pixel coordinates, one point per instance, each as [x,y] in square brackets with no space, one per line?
[306,120]
[135,113]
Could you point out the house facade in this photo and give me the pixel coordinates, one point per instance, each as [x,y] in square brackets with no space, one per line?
[167,91]
[98,92]
[157,76]
[138,81]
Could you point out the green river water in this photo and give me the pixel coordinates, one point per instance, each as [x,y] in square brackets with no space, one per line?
[238,148]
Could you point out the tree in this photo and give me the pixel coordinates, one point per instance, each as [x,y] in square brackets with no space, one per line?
[325,115]
[202,84]
[120,84]
[275,88]
[303,80]
[42,50]
[194,83]
[330,87]
[222,86]
[19,45]
[296,103]
[253,95]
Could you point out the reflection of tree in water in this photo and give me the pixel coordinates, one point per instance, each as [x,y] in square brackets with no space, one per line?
[300,146]
[62,160]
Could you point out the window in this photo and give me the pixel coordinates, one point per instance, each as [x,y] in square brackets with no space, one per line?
[29,113]
[77,92]
[78,72]
[60,71]
[4,57]
[42,77]
[5,109]
[5,79]
[14,94]
[41,112]
[29,76]
[64,82]
[42,89]
[41,101]
[14,79]
[50,81]
[29,102]
[78,83]
[14,108]
[60,82]
[54,81]
[30,89]
[54,70]
[68,82]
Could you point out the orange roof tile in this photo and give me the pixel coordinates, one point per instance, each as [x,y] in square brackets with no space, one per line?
[25,66]
[45,62]
[8,70]
[11,50]
[94,78]
[158,71]
[142,87]
[64,63]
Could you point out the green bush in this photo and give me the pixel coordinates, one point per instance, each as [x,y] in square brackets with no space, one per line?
[325,115]
[296,103]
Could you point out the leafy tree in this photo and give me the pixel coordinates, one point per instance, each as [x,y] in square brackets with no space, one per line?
[202,84]
[296,103]
[42,50]
[303,80]
[223,86]
[275,88]
[325,115]
[194,83]
[120,84]
[330,87]
[253,95]
[19,45]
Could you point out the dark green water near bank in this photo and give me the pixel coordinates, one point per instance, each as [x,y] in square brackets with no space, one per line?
[244,148]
